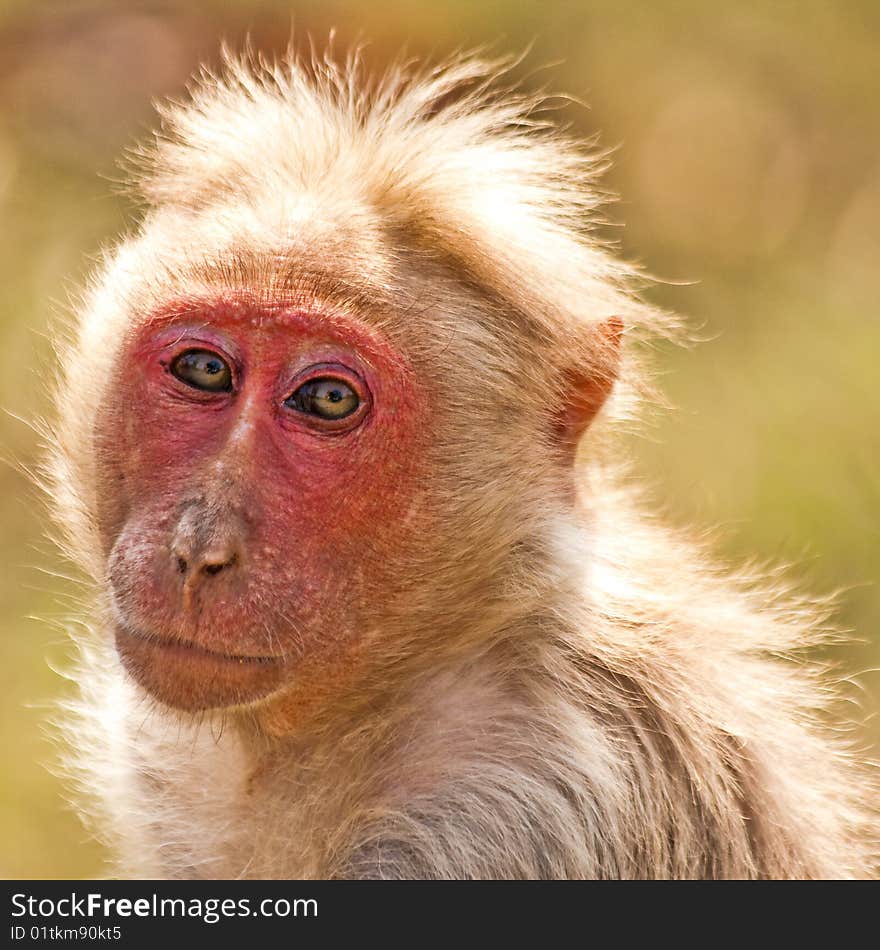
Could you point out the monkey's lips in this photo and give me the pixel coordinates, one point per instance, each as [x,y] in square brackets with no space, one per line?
[190,677]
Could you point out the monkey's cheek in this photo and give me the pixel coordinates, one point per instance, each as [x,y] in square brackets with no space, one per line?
[192,679]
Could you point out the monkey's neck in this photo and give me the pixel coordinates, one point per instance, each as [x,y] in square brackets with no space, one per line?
[222,797]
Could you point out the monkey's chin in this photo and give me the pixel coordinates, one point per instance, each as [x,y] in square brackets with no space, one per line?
[193,679]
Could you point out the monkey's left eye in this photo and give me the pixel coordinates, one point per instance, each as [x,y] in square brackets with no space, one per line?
[204,370]
[324,397]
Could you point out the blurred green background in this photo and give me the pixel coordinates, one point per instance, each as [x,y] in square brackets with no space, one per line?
[749,166]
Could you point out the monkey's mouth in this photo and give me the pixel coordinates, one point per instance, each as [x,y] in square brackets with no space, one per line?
[191,677]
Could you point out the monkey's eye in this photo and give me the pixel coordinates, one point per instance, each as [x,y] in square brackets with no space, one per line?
[324,397]
[204,370]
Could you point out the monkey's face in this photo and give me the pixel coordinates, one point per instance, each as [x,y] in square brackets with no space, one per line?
[259,484]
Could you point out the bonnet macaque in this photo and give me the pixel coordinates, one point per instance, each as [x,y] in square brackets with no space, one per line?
[371,600]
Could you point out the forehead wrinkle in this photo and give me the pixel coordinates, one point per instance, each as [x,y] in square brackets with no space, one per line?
[267,281]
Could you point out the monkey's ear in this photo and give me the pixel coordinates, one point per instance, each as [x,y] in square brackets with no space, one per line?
[588,388]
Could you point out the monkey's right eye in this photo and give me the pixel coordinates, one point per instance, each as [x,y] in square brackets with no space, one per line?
[203,370]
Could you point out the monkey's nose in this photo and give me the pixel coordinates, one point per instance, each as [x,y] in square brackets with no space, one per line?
[205,545]
[198,567]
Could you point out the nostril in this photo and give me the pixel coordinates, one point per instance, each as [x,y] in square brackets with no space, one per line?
[181,565]
[214,566]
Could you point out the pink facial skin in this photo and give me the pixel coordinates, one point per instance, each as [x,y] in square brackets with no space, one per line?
[245,539]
